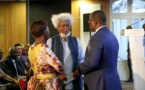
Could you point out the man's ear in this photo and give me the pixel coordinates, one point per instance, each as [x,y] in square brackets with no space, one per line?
[95,23]
[58,30]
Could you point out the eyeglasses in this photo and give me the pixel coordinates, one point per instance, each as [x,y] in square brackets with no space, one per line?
[89,20]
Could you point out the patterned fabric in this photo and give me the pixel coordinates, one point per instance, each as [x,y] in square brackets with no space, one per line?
[43,62]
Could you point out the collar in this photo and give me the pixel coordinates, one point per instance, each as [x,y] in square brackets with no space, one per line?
[13,60]
[64,39]
[99,28]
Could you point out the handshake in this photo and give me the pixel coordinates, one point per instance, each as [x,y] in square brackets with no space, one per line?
[69,77]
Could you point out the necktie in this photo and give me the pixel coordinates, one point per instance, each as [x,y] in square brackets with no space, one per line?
[15,67]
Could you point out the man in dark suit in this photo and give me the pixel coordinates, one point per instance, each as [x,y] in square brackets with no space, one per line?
[3,66]
[13,64]
[100,63]
[8,77]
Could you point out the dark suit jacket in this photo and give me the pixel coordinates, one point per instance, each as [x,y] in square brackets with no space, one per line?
[9,63]
[100,65]
[5,69]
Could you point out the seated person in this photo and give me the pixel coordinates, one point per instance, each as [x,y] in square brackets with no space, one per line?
[15,66]
[3,66]
[19,48]
[24,56]
[13,85]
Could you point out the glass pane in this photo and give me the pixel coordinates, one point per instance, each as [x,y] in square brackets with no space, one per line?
[138,23]
[138,6]
[117,26]
[119,6]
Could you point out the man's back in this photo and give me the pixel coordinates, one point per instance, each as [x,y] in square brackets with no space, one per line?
[101,55]
[110,48]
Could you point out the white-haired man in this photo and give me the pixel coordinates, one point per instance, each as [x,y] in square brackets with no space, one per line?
[67,48]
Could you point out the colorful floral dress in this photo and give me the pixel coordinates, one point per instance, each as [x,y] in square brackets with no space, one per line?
[45,66]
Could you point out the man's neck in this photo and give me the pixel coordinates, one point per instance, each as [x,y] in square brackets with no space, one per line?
[63,38]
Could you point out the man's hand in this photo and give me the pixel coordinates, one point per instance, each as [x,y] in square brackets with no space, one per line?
[62,77]
[76,73]
[16,82]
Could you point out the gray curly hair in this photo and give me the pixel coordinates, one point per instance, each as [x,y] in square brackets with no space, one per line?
[56,18]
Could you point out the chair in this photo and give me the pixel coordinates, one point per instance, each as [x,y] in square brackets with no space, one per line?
[22,84]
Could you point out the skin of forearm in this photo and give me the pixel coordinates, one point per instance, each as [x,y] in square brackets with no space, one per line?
[8,78]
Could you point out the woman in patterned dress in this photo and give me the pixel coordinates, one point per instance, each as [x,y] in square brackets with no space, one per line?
[45,65]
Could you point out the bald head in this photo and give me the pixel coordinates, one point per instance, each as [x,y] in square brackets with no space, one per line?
[12,49]
[13,52]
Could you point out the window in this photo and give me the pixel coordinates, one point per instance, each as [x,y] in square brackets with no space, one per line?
[138,6]
[119,6]
[122,14]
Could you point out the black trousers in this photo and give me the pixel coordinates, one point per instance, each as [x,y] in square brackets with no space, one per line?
[12,86]
[130,69]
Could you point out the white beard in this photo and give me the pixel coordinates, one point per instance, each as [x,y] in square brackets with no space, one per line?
[65,35]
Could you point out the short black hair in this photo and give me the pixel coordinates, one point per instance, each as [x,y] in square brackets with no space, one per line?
[100,16]
[129,27]
[17,44]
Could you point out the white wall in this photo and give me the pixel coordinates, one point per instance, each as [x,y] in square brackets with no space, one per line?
[123,70]
[86,8]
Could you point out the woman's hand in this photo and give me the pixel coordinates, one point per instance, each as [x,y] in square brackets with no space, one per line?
[62,76]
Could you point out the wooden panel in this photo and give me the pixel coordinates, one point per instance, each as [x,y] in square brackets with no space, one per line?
[13,20]
[76,13]
[105,6]
[75,10]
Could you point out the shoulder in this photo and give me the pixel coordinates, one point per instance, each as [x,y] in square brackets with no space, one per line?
[7,58]
[76,39]
[73,37]
[50,39]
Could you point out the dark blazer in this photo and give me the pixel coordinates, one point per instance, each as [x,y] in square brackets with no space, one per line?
[5,69]
[100,65]
[9,63]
